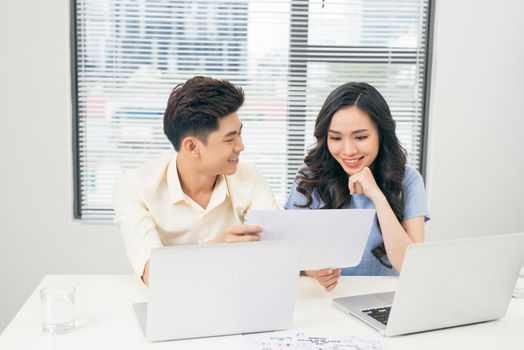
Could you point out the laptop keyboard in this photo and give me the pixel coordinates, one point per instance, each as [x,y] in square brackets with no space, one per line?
[381,314]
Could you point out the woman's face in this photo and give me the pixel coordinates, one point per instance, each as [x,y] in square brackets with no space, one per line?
[353,139]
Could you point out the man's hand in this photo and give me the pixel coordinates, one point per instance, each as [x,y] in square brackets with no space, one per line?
[239,233]
[328,278]
[145,274]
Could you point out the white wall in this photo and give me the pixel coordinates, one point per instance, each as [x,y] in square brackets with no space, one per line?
[475,163]
[37,234]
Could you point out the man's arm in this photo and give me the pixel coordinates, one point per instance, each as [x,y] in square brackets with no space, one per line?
[136,226]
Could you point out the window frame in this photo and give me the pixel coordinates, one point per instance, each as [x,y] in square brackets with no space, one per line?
[75,129]
[300,54]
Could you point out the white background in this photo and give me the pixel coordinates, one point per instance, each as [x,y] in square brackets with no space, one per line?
[475,162]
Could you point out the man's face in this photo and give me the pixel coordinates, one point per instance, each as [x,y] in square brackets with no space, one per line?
[221,153]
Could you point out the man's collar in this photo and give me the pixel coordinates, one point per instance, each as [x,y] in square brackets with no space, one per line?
[219,193]
[173,182]
[176,194]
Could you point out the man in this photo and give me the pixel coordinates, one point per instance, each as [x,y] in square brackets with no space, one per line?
[201,193]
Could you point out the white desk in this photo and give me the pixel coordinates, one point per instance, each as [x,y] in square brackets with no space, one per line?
[106,320]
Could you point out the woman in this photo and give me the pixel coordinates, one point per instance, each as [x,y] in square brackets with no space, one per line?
[358,162]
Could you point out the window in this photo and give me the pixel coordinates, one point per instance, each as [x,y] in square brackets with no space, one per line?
[286,54]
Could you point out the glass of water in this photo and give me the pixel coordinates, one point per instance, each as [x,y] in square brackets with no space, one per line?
[58,309]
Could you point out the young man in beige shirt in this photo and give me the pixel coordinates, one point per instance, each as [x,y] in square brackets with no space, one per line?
[201,193]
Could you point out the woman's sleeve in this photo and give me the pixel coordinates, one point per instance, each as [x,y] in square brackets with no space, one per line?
[294,198]
[414,195]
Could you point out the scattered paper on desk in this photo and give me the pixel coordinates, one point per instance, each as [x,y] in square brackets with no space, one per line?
[269,341]
[303,341]
[311,342]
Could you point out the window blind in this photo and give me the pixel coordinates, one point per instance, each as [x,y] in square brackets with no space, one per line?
[287,55]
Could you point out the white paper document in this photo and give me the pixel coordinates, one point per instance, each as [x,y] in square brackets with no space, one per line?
[303,341]
[332,238]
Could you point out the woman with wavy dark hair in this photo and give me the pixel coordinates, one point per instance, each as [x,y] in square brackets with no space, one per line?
[358,162]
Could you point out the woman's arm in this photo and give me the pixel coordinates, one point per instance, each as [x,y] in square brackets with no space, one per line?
[396,236]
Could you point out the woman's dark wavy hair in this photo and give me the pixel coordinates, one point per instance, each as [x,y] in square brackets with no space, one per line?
[321,172]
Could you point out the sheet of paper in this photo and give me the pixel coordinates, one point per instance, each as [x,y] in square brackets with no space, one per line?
[303,341]
[332,238]
[269,341]
[313,342]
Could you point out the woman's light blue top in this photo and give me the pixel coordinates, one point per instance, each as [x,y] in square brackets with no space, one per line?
[414,206]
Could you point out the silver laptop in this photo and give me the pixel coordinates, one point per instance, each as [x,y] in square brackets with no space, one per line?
[218,289]
[445,284]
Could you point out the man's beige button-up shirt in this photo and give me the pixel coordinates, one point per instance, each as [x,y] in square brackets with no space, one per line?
[152,211]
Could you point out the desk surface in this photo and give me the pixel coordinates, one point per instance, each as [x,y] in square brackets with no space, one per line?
[105,319]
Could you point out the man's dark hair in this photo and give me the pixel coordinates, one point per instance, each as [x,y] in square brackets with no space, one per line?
[196,106]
